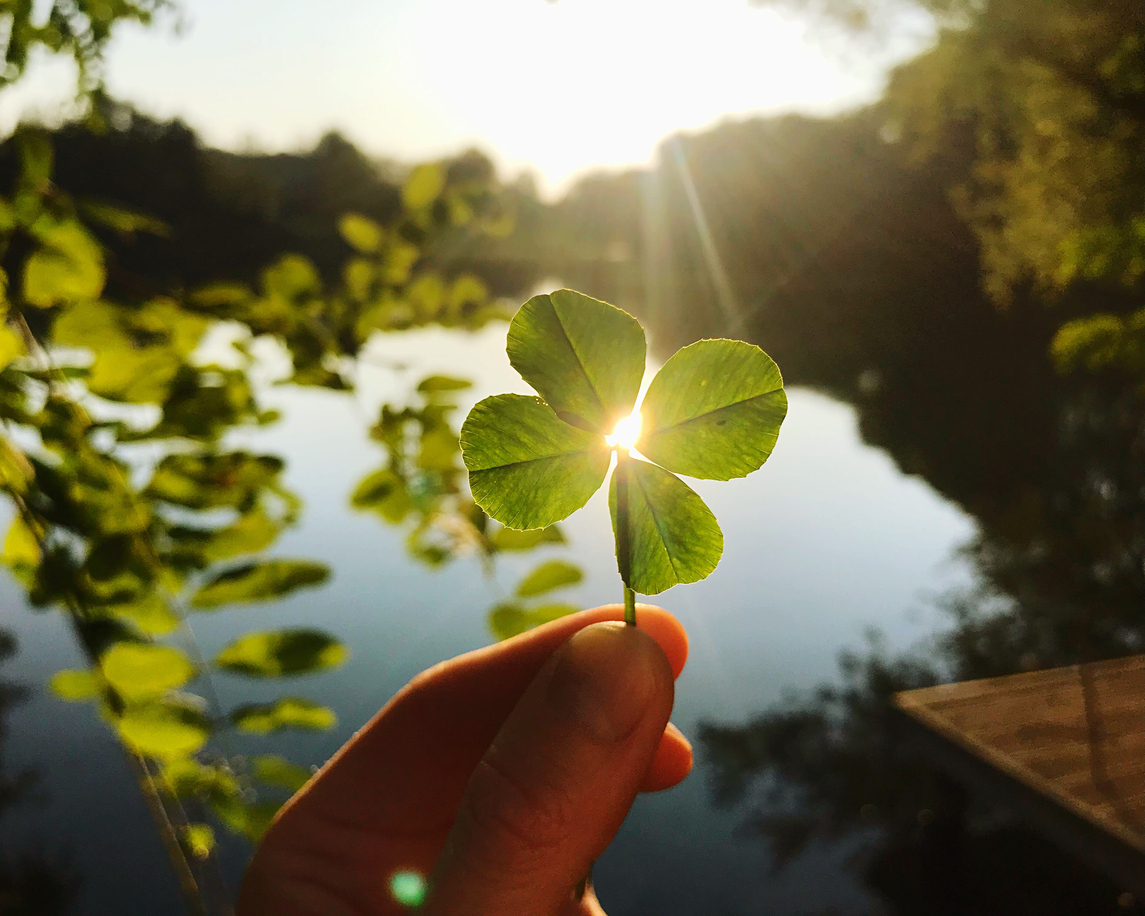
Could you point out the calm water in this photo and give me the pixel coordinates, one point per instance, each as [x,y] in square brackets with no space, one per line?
[830,539]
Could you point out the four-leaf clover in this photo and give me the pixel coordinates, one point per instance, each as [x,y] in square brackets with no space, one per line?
[713,411]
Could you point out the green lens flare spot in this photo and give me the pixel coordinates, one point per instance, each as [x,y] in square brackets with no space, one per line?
[408,888]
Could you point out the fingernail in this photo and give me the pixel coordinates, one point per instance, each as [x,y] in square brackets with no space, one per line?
[604,680]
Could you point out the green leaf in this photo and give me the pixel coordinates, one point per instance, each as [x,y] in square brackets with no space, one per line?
[225,296]
[511,539]
[385,493]
[120,220]
[282,652]
[74,685]
[292,277]
[139,671]
[423,187]
[437,450]
[250,820]
[509,620]
[21,550]
[36,158]
[548,576]
[164,730]
[278,771]
[714,410]
[188,778]
[199,840]
[671,536]
[213,481]
[11,346]
[285,712]
[583,356]
[361,232]
[527,468]
[358,274]
[150,614]
[439,384]
[261,581]
[15,470]
[68,265]
[249,534]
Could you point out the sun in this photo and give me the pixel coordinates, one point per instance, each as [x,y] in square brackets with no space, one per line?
[627,432]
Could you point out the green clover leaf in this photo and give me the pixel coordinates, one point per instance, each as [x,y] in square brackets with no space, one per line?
[713,411]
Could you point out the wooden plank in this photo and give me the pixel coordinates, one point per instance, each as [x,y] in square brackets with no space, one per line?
[1073,737]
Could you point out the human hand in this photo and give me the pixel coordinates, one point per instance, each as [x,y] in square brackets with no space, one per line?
[505,771]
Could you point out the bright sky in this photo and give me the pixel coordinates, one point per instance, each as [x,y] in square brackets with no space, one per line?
[557,87]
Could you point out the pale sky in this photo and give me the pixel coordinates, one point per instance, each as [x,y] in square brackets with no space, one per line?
[559,87]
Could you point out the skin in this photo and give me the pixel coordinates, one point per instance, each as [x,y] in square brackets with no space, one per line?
[501,774]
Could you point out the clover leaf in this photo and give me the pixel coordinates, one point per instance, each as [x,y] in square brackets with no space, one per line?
[713,412]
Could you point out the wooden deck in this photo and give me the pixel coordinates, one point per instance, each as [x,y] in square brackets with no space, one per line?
[1065,747]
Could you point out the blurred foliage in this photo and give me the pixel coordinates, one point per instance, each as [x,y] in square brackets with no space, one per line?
[117,397]
[1053,95]
[79,29]
[1102,342]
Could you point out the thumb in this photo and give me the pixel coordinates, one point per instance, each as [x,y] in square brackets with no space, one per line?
[557,781]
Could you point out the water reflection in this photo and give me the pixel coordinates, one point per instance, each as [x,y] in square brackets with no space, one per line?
[33,881]
[1050,465]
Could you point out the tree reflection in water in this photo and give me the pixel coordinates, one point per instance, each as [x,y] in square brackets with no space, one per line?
[966,396]
[32,883]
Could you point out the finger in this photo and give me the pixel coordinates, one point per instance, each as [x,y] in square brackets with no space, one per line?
[555,784]
[584,904]
[673,761]
[429,738]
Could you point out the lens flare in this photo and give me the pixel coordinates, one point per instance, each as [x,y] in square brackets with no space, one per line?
[408,888]
[627,432]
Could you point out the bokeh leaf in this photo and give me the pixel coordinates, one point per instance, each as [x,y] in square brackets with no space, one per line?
[509,620]
[164,730]
[73,685]
[199,840]
[280,772]
[528,468]
[423,186]
[385,493]
[249,819]
[150,614]
[261,581]
[547,577]
[713,410]
[282,652]
[213,481]
[11,345]
[583,356]
[361,232]
[141,671]
[186,777]
[21,550]
[672,536]
[250,533]
[513,540]
[440,384]
[67,266]
[285,712]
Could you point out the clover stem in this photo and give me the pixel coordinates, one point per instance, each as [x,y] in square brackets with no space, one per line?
[623,553]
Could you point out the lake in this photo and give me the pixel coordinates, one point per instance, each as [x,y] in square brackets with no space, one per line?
[831,540]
